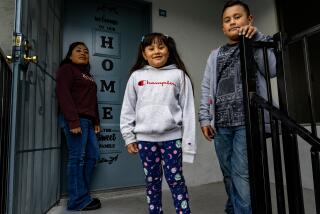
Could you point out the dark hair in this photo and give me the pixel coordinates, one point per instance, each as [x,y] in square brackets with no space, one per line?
[160,38]
[72,46]
[236,2]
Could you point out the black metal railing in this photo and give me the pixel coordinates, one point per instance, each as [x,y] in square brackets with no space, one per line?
[5,103]
[255,106]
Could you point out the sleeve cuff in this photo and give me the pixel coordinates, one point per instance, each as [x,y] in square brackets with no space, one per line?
[205,123]
[97,122]
[74,124]
[188,158]
[130,140]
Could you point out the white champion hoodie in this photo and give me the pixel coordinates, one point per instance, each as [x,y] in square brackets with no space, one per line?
[158,105]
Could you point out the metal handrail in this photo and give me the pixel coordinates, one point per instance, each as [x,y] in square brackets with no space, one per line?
[306,33]
[287,121]
[255,106]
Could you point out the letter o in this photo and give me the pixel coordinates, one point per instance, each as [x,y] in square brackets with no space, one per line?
[107,65]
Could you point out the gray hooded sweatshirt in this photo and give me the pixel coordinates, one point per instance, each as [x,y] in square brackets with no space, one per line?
[209,83]
[158,106]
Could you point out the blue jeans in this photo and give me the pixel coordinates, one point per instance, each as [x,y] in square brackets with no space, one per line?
[231,149]
[83,154]
[159,157]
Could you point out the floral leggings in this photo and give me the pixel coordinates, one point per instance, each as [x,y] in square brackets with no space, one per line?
[164,156]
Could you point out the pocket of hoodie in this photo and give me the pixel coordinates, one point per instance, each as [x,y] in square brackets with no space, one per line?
[154,119]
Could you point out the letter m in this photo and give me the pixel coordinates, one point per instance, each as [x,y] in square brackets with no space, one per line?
[105,86]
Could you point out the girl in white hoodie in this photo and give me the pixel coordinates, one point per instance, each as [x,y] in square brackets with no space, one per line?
[158,119]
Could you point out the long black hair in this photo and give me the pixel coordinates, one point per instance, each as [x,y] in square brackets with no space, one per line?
[159,38]
[72,46]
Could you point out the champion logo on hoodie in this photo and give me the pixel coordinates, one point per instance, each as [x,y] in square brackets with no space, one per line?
[162,83]
[87,77]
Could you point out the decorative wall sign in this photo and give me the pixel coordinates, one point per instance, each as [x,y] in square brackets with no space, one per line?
[109,113]
[112,30]
[106,43]
[110,144]
[108,89]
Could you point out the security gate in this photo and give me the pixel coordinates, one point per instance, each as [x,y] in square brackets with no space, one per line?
[5,100]
[34,174]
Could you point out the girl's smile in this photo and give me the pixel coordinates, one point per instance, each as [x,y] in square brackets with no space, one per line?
[156,54]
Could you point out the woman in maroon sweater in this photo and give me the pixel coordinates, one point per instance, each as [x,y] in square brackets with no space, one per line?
[77,96]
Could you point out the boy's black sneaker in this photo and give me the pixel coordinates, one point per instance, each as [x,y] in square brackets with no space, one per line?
[94,204]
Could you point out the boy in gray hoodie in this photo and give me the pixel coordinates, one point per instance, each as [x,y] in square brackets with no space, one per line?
[221,112]
[158,119]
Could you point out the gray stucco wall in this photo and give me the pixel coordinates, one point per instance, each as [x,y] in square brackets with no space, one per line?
[7,8]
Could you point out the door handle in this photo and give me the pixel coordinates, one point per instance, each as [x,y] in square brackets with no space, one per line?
[9,59]
[27,59]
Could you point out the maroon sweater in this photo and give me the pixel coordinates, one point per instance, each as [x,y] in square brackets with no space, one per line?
[77,94]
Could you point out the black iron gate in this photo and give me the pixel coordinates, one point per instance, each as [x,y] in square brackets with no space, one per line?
[5,101]
[34,156]
[290,196]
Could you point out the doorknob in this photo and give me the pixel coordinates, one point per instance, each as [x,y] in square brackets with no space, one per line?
[9,59]
[27,59]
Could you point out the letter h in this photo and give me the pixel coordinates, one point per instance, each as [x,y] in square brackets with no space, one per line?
[108,42]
